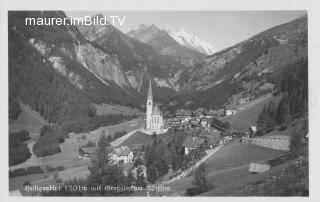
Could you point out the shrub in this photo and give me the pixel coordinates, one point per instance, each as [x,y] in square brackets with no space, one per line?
[17,172]
[259,133]
[46,145]
[50,168]
[23,135]
[53,131]
[283,128]
[90,144]
[56,175]
[34,169]
[192,191]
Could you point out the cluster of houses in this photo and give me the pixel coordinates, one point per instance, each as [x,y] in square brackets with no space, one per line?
[206,139]
[199,118]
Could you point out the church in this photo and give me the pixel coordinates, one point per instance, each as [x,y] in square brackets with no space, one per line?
[154,118]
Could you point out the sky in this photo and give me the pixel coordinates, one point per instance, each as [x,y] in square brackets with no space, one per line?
[221,29]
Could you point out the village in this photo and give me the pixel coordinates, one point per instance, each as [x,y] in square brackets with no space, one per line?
[204,133]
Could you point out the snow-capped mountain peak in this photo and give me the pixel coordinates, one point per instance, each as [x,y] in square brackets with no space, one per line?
[192,41]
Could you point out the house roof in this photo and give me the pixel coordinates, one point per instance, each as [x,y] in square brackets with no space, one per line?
[136,146]
[193,142]
[259,167]
[183,112]
[156,110]
[121,151]
[89,150]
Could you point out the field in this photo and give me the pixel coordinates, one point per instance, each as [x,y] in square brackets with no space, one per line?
[229,166]
[248,113]
[68,157]
[106,109]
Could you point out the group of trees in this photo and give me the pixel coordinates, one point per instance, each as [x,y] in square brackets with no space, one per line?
[155,158]
[14,109]
[18,149]
[49,141]
[160,156]
[293,83]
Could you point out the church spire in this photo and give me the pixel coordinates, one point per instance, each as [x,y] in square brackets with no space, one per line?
[150,90]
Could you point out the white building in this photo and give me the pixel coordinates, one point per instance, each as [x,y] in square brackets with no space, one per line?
[154,118]
[122,153]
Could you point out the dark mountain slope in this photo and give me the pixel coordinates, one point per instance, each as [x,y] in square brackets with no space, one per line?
[47,70]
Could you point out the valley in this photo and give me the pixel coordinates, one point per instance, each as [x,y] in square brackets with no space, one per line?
[95,105]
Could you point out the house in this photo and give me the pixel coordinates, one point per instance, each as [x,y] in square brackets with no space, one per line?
[204,122]
[174,123]
[121,154]
[192,143]
[87,152]
[199,112]
[252,131]
[243,100]
[210,113]
[137,150]
[259,167]
[182,113]
[229,112]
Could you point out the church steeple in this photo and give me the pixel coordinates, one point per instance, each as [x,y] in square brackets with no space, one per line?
[150,90]
[149,106]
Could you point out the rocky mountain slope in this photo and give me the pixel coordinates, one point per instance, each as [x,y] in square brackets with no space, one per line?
[54,69]
[246,65]
[165,44]
[138,60]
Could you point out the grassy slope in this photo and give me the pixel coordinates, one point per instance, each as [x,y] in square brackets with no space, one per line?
[106,109]
[230,164]
[249,112]
[28,119]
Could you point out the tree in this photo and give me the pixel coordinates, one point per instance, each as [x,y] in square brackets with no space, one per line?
[266,119]
[296,143]
[200,180]
[283,112]
[140,178]
[99,161]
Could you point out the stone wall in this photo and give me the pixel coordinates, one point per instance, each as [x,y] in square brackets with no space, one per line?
[269,142]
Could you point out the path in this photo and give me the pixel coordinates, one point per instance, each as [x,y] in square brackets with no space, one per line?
[118,141]
[182,175]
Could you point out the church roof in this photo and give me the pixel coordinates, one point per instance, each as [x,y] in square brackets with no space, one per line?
[150,89]
[156,110]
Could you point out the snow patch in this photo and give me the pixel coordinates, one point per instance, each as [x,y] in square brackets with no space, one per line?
[192,41]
